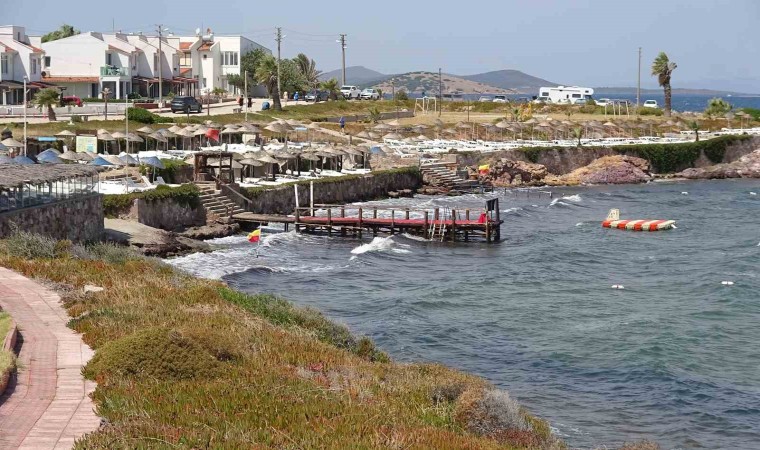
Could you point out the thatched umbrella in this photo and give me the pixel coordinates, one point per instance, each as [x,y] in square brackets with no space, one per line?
[128,159]
[229,132]
[159,138]
[12,143]
[266,159]
[363,134]
[392,137]
[105,137]
[382,127]
[145,130]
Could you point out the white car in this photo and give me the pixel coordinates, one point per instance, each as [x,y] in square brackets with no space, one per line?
[351,92]
[603,102]
[650,104]
[485,99]
[500,99]
[370,94]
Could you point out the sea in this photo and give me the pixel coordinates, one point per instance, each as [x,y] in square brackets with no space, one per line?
[680,102]
[671,354]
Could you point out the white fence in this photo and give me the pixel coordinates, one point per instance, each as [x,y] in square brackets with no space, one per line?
[93,109]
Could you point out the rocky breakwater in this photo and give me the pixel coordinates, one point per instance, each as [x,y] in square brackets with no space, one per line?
[617,169]
[748,166]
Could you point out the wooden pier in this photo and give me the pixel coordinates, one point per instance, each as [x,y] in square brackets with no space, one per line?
[439,224]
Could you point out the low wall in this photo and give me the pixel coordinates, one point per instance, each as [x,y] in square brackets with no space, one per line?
[77,219]
[365,117]
[368,187]
[166,214]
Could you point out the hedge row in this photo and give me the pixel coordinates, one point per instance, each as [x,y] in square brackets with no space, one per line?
[664,158]
[185,195]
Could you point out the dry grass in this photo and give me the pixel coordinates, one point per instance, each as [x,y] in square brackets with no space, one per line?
[188,363]
[7,359]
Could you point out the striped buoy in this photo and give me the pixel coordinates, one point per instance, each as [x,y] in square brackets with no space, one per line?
[613,221]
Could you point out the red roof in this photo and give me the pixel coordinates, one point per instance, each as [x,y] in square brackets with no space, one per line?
[71,79]
[37,50]
[205,46]
[7,49]
[185,45]
[185,71]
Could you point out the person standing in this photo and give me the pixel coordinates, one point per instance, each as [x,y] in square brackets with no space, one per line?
[342,123]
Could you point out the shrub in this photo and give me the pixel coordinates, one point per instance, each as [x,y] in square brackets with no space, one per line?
[133,95]
[754,112]
[185,195]
[168,173]
[650,112]
[112,253]
[141,115]
[158,353]
[27,245]
[93,100]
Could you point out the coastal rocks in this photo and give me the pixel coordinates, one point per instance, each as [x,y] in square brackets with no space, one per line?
[508,172]
[211,231]
[617,169]
[150,241]
[748,166]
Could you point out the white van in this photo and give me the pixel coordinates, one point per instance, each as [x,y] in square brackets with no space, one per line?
[651,104]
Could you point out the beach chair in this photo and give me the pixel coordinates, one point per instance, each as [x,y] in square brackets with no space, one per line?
[160,180]
[146,180]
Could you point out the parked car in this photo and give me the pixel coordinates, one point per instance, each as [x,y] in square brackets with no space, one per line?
[485,99]
[580,101]
[603,102]
[317,96]
[71,100]
[500,99]
[370,94]
[651,104]
[351,92]
[186,105]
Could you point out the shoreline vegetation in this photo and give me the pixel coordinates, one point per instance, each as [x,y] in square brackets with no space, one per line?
[190,363]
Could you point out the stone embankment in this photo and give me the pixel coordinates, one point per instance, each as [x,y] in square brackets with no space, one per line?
[748,166]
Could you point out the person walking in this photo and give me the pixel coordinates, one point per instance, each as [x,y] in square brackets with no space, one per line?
[295,96]
[240,101]
[342,123]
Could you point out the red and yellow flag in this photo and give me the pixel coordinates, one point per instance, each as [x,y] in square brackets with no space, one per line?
[484,169]
[254,236]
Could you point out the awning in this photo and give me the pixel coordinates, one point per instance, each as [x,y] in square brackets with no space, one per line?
[183,80]
[11,84]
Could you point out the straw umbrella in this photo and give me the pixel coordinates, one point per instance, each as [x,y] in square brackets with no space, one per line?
[382,127]
[392,137]
[12,143]
[229,132]
[145,130]
[266,159]
[105,137]
[158,138]
[66,135]
[68,155]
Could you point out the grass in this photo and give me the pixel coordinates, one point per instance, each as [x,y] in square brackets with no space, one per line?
[187,363]
[185,195]
[7,359]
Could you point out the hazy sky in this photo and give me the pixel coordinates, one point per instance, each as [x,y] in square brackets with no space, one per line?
[585,42]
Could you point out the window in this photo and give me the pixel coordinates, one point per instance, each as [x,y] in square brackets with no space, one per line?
[229,58]
[185,60]
[33,66]
[109,59]
[47,61]
[544,94]
[204,83]
[576,95]
[4,63]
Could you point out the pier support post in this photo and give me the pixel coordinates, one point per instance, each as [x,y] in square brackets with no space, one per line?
[453,225]
[426,230]
[393,219]
[360,222]
[329,221]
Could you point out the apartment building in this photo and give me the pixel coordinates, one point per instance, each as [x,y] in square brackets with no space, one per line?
[19,60]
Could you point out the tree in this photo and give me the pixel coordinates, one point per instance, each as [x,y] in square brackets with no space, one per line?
[332,88]
[308,69]
[63,32]
[375,115]
[694,126]
[248,64]
[663,68]
[47,98]
[578,134]
[717,107]
[266,74]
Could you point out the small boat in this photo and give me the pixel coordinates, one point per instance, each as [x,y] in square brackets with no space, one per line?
[613,221]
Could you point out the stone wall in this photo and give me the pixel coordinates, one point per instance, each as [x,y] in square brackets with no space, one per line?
[77,219]
[282,200]
[166,214]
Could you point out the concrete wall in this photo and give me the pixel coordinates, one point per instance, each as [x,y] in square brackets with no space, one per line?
[166,214]
[78,220]
[368,187]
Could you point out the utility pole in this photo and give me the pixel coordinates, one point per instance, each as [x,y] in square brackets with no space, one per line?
[440,92]
[638,86]
[279,42]
[25,94]
[342,42]
[246,95]
[160,64]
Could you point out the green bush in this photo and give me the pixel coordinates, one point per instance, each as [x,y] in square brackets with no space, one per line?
[141,115]
[650,112]
[157,353]
[169,172]
[93,100]
[185,195]
[754,112]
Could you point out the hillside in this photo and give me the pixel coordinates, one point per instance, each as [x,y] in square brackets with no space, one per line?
[677,91]
[419,82]
[354,75]
[511,79]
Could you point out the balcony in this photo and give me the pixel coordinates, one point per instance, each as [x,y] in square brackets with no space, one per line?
[112,71]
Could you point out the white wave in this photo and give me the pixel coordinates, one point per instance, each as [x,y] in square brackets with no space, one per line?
[568,198]
[275,238]
[381,244]
[228,240]
[579,224]
[412,237]
[511,210]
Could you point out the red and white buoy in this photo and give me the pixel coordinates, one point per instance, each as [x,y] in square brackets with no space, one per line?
[613,221]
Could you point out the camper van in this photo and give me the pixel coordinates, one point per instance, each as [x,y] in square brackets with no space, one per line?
[568,95]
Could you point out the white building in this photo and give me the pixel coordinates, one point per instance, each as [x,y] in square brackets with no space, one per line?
[19,59]
[211,58]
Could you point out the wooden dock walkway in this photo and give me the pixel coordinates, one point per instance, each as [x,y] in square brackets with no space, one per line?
[437,224]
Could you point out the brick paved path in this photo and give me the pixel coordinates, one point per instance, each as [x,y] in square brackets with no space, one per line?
[47,407]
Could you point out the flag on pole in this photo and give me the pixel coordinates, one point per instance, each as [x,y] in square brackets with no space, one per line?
[484,169]
[254,236]
[213,134]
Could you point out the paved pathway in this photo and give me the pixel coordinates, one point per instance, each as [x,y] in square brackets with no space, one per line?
[47,406]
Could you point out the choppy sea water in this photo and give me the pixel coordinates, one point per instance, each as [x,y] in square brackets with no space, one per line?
[672,357]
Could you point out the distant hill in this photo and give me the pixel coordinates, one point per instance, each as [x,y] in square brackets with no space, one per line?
[354,75]
[419,82]
[680,91]
[511,79]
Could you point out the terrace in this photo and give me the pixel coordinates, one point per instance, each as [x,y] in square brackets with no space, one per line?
[25,186]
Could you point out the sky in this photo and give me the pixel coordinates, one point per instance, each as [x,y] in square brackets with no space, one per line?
[583,42]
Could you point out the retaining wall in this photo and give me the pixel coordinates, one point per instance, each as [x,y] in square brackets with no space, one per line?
[368,187]
[166,214]
[78,219]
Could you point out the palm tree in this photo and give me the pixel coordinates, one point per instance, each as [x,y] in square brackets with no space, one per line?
[266,74]
[331,86]
[308,69]
[47,97]
[694,126]
[663,68]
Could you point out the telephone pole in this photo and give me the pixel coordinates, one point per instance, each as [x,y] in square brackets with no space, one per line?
[342,42]
[246,95]
[638,86]
[440,92]
[279,42]
[160,64]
